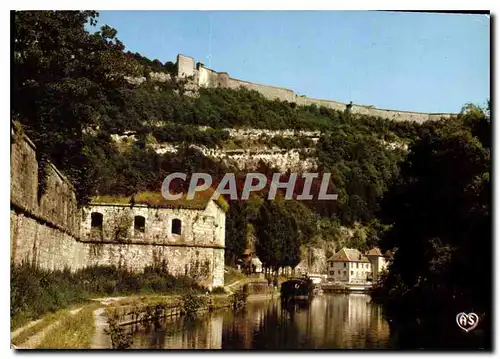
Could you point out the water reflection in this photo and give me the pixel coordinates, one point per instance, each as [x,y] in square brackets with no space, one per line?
[343,321]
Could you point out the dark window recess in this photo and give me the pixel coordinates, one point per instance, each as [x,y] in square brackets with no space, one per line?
[176,226]
[139,223]
[96,221]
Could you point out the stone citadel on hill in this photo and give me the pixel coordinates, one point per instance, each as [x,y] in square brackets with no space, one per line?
[204,77]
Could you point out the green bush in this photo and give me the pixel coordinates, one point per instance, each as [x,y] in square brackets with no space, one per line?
[239,299]
[218,290]
[191,303]
[120,339]
[35,292]
[182,133]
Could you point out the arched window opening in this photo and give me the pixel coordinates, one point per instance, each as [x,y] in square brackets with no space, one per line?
[176,226]
[96,221]
[139,224]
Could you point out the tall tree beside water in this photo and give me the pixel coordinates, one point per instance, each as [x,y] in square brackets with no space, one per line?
[440,213]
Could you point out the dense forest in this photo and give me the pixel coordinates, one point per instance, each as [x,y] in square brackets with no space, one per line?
[428,203]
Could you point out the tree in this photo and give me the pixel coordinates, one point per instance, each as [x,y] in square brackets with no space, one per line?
[236,232]
[277,237]
[361,168]
[439,213]
[62,77]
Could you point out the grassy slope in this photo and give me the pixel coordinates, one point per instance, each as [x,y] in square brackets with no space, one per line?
[73,332]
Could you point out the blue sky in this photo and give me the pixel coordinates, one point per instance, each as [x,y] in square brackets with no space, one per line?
[406,61]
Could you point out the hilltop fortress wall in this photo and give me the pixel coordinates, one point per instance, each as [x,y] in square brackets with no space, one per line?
[204,77]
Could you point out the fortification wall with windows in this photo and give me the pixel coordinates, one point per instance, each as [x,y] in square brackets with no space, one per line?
[49,230]
[189,241]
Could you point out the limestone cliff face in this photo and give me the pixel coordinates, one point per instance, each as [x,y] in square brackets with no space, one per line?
[153,76]
[249,159]
[257,133]
[255,149]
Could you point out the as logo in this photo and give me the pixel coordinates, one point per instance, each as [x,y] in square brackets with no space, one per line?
[467,322]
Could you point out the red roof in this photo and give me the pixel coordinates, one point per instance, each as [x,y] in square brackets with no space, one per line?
[348,255]
[374,252]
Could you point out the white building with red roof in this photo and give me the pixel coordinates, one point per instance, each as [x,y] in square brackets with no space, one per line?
[350,266]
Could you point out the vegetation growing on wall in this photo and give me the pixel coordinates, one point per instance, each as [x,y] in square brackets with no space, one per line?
[156,200]
[120,226]
[191,303]
[120,338]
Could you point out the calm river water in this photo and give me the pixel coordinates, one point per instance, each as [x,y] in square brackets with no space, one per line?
[330,321]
